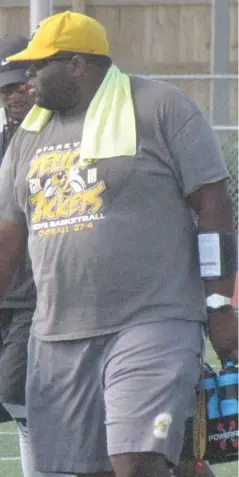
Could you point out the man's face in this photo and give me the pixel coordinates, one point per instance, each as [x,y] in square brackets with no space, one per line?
[54,84]
[16,99]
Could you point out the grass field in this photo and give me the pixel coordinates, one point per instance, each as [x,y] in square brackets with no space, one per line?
[10,465]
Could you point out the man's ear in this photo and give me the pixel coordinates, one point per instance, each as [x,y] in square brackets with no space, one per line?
[79,65]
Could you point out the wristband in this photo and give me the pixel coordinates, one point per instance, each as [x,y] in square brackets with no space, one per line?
[217,254]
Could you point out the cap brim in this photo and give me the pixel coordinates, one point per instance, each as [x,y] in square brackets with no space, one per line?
[11,77]
[32,54]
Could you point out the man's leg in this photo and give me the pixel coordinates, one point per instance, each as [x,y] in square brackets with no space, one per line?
[4,415]
[149,376]
[18,413]
[140,465]
[65,408]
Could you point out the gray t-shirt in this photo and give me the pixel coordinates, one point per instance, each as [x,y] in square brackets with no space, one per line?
[113,241]
[21,293]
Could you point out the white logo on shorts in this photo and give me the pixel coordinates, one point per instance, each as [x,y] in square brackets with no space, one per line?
[161,425]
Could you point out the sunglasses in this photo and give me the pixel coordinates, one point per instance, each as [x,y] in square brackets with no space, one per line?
[40,64]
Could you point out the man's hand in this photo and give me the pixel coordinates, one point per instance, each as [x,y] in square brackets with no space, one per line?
[223,333]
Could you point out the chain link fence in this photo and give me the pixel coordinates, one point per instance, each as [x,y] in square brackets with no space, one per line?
[217,96]
[230,150]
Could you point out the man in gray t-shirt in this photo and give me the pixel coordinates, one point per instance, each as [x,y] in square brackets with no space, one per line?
[17,308]
[117,332]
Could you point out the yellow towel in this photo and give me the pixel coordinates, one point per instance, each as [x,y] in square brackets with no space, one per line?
[36,119]
[109,128]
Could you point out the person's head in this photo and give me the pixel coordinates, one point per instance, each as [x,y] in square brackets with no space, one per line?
[14,92]
[69,56]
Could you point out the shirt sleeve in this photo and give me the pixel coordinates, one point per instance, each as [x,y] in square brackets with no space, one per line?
[193,145]
[9,207]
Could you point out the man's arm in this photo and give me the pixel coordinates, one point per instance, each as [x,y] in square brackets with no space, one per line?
[201,174]
[11,252]
[12,219]
[213,206]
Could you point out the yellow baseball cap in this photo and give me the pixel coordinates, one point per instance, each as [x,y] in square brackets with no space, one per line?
[65,31]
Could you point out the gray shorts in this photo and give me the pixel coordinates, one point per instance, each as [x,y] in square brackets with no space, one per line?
[125,392]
